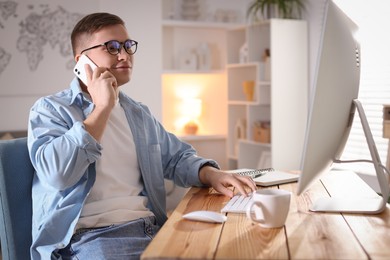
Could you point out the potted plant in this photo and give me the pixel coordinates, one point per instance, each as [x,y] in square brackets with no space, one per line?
[266,9]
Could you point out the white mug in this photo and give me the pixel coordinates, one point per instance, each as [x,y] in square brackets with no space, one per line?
[269,207]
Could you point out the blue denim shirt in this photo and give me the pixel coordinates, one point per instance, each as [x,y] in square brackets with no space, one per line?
[64,155]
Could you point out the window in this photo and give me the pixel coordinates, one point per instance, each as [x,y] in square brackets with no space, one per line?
[374,35]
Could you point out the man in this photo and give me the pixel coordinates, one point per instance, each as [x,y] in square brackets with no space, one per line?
[101,158]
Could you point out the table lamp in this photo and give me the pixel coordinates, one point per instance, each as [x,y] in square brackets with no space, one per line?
[191,110]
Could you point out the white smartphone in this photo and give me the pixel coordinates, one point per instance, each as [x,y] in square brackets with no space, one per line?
[79,69]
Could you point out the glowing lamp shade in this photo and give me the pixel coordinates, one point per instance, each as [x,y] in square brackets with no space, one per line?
[191,110]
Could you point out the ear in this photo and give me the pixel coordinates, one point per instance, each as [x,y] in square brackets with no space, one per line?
[77,57]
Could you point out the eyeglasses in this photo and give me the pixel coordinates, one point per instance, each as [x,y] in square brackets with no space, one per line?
[114,47]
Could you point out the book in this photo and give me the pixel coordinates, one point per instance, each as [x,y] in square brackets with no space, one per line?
[267,176]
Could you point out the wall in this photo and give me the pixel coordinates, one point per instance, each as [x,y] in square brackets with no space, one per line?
[36,59]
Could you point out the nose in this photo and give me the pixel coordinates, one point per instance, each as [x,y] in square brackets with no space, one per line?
[123,55]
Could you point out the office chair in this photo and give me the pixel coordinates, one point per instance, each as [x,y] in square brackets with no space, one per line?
[16,175]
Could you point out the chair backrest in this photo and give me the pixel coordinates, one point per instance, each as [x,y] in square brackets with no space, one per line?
[16,175]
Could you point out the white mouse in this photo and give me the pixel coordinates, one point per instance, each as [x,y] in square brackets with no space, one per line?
[206,216]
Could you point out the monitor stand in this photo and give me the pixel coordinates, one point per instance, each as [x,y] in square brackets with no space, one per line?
[361,205]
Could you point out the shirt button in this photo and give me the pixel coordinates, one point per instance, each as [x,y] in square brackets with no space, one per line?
[60,245]
[149,230]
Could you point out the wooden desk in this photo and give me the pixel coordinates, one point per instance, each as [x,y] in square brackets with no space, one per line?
[306,235]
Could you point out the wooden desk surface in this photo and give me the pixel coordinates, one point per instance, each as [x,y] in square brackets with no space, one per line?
[306,235]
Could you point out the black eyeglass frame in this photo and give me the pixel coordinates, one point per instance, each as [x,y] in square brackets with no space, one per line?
[122,45]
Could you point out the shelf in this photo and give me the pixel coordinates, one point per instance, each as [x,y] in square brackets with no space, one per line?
[238,73]
[242,65]
[201,137]
[168,72]
[201,24]
[265,83]
[265,145]
[246,103]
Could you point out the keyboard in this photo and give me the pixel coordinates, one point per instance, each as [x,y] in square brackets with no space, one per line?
[237,204]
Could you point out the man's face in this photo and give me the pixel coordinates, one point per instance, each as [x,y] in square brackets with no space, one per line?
[119,65]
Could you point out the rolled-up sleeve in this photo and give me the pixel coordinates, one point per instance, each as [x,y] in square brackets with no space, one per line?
[60,148]
[180,160]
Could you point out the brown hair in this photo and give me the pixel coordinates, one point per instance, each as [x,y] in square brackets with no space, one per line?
[91,24]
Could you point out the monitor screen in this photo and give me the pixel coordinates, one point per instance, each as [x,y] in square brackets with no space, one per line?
[331,106]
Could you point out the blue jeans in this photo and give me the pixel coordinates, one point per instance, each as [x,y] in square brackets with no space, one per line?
[125,241]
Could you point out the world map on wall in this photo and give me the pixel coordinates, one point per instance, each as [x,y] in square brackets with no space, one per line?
[7,9]
[44,26]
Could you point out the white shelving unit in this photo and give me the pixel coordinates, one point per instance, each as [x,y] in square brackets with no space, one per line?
[280,98]
[182,40]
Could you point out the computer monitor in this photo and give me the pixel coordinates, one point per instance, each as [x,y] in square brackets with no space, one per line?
[332,107]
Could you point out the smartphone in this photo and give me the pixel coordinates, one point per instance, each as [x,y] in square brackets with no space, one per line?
[79,69]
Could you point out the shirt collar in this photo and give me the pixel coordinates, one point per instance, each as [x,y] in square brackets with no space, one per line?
[78,97]
[76,92]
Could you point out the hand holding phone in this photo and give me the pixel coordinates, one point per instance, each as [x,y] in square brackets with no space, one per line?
[79,69]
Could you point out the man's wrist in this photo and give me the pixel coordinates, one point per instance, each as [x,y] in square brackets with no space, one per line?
[204,170]
[208,164]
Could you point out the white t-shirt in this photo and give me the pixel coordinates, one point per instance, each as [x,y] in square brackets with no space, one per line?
[114,198]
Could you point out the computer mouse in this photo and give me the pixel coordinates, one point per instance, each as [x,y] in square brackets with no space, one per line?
[206,216]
